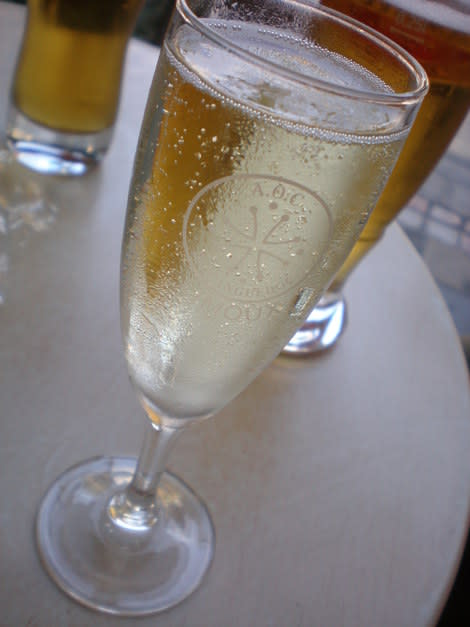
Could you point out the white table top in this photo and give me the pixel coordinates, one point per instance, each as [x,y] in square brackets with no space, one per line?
[339,486]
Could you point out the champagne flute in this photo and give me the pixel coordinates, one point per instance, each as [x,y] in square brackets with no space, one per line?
[438,36]
[260,150]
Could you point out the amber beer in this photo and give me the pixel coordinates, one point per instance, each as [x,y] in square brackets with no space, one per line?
[69,70]
[439,38]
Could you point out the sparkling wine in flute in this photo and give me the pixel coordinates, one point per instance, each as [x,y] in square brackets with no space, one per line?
[260,156]
[242,208]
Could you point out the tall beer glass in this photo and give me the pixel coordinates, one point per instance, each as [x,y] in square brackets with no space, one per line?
[65,91]
[437,34]
[261,152]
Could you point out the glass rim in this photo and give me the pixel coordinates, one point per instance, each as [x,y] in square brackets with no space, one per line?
[413,67]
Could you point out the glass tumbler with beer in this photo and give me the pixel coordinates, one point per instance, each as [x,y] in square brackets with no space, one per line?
[65,91]
[437,34]
[261,150]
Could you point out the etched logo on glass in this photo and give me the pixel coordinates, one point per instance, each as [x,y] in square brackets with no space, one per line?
[255,237]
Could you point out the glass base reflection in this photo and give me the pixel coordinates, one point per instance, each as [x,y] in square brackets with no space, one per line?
[322,329]
[123,570]
[53,152]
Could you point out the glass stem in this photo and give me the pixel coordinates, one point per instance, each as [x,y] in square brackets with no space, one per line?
[156,447]
[136,507]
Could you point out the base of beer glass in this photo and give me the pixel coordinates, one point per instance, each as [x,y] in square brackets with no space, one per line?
[48,151]
[118,569]
[322,329]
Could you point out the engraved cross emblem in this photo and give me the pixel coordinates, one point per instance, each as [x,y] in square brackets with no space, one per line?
[268,243]
[255,237]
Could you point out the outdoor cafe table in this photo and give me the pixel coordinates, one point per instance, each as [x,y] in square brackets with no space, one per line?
[339,486]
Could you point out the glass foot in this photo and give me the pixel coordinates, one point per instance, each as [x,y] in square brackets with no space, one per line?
[120,570]
[322,328]
[50,159]
[49,151]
